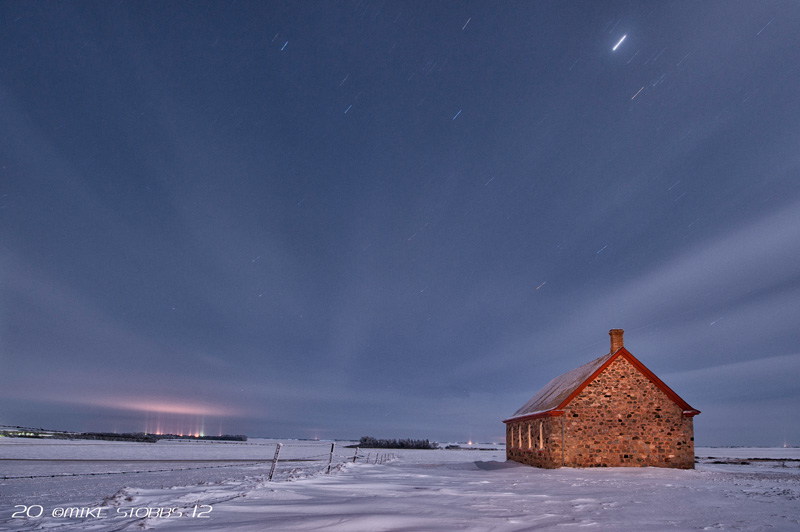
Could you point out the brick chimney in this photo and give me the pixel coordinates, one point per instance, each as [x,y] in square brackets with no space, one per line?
[616,339]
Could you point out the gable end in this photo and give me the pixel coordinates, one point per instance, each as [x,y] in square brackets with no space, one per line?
[688,411]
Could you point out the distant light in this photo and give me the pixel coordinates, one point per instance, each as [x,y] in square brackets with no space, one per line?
[620,42]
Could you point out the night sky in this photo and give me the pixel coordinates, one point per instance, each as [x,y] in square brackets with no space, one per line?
[398,219]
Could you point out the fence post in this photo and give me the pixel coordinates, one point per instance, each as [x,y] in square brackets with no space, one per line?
[355,455]
[330,460]
[275,460]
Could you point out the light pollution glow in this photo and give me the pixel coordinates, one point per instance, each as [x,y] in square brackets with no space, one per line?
[168,407]
[170,417]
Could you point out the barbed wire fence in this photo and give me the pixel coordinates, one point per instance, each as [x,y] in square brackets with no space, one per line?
[319,462]
[299,461]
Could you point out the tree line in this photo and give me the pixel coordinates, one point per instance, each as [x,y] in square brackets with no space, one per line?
[368,442]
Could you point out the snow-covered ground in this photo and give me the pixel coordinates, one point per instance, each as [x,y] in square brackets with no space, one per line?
[223,486]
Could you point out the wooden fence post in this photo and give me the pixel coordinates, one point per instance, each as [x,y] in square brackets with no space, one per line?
[275,460]
[330,460]
[355,455]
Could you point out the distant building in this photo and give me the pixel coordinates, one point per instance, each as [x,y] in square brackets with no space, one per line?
[610,412]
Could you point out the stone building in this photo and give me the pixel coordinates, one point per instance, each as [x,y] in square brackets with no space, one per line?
[610,412]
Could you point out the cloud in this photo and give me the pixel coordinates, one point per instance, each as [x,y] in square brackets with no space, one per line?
[767,378]
[733,299]
[748,274]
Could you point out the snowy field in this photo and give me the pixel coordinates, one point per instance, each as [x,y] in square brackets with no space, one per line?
[223,486]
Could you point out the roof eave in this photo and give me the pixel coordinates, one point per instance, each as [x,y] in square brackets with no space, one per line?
[535,415]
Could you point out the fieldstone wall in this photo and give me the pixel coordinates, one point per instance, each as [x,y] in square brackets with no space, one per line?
[619,419]
[623,419]
[528,451]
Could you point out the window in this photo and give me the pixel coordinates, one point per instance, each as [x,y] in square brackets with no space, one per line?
[541,437]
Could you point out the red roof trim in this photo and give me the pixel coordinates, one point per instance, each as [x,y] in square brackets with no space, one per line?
[591,377]
[537,415]
[687,410]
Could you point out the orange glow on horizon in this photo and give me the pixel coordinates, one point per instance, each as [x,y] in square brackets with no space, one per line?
[165,406]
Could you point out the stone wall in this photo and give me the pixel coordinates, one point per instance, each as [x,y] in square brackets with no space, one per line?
[529,451]
[623,419]
[620,419]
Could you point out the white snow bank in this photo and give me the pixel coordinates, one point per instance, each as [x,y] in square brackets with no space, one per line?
[769,453]
[453,490]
